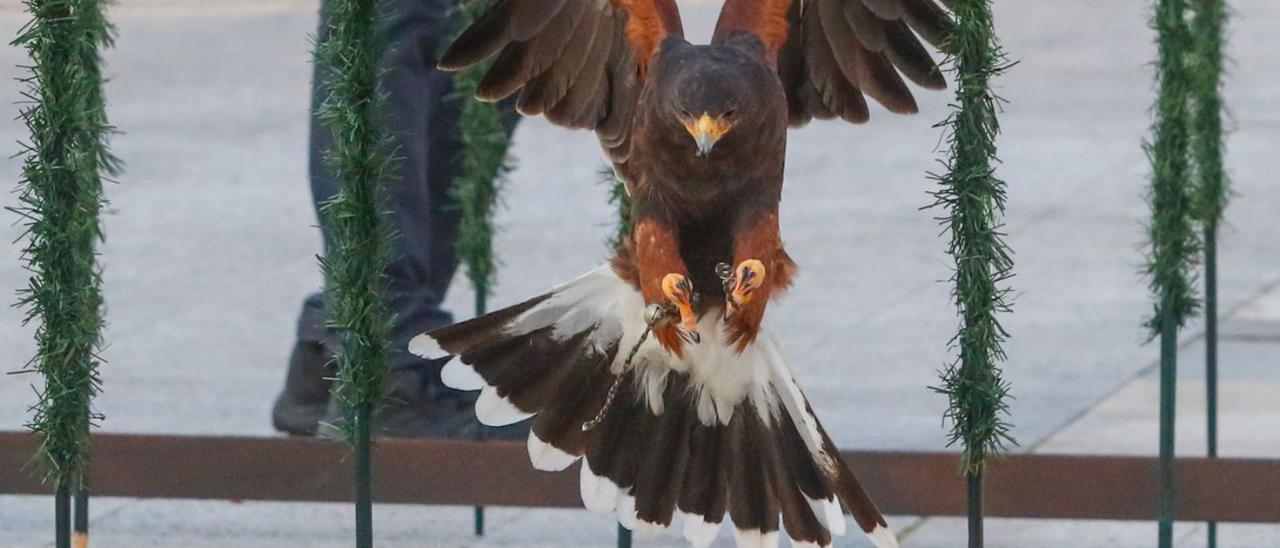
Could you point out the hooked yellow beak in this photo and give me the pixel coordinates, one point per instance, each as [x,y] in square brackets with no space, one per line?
[706,131]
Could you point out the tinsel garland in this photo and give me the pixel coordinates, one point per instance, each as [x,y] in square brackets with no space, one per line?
[362,160]
[485,165]
[974,198]
[355,262]
[621,201]
[1174,242]
[1207,112]
[61,196]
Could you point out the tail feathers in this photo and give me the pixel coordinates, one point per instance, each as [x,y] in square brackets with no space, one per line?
[682,435]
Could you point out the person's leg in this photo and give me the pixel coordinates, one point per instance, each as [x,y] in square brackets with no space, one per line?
[427,218]
[423,114]
[412,33]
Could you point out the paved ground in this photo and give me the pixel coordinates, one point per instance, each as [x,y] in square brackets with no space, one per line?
[211,249]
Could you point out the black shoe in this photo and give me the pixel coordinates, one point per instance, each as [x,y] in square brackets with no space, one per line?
[305,399]
[415,407]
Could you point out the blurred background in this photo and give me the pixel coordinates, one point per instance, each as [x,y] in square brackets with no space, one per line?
[211,247]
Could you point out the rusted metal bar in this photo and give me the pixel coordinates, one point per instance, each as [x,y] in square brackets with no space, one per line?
[498,474]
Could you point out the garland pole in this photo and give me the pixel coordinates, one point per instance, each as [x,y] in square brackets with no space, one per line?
[61,195]
[80,532]
[485,141]
[619,198]
[1174,240]
[1211,190]
[354,266]
[975,198]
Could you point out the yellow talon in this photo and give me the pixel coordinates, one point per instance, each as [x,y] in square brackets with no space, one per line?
[679,290]
[743,282]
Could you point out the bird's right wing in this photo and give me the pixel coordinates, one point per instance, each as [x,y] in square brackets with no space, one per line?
[580,63]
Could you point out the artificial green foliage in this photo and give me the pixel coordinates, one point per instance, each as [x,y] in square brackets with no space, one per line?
[362,159]
[61,197]
[485,164]
[974,199]
[1175,242]
[1207,109]
[618,198]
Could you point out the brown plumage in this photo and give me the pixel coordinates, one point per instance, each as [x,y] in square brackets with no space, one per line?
[704,418]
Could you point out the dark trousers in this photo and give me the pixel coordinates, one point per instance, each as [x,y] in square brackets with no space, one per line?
[422,115]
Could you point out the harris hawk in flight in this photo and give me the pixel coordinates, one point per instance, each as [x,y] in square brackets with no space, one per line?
[654,370]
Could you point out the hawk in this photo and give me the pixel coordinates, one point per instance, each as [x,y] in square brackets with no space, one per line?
[653,370]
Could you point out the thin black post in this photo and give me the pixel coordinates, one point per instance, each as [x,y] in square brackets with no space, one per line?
[364,495]
[624,537]
[975,509]
[1211,351]
[1168,389]
[62,517]
[482,305]
[80,536]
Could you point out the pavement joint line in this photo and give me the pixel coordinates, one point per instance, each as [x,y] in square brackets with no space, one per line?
[1153,365]
[911,528]
[128,503]
[1251,338]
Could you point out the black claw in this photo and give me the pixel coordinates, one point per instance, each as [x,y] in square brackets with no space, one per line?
[691,337]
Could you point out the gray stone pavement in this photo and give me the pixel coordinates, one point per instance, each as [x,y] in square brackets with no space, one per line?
[211,250]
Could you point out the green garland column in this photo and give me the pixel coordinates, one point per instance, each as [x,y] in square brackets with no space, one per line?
[354,265]
[1211,189]
[1174,241]
[61,198]
[484,162]
[974,198]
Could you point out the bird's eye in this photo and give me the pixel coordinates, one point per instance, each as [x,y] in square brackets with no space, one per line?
[685,113]
[729,114]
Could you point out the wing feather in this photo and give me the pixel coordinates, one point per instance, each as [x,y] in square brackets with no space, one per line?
[844,47]
[583,99]
[884,9]
[565,57]
[530,17]
[928,20]
[836,92]
[551,86]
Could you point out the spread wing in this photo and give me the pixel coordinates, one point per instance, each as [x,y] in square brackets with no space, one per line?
[580,63]
[830,53]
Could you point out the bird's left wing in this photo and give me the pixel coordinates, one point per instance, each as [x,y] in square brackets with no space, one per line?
[580,63]
[829,53]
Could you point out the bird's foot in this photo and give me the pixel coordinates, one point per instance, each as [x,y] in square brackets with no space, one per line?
[679,291]
[740,283]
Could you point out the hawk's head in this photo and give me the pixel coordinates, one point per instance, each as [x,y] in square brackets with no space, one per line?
[713,92]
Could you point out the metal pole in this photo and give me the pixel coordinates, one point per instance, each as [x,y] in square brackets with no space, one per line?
[80,537]
[364,499]
[62,516]
[1168,386]
[975,509]
[1211,350]
[624,537]
[482,305]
